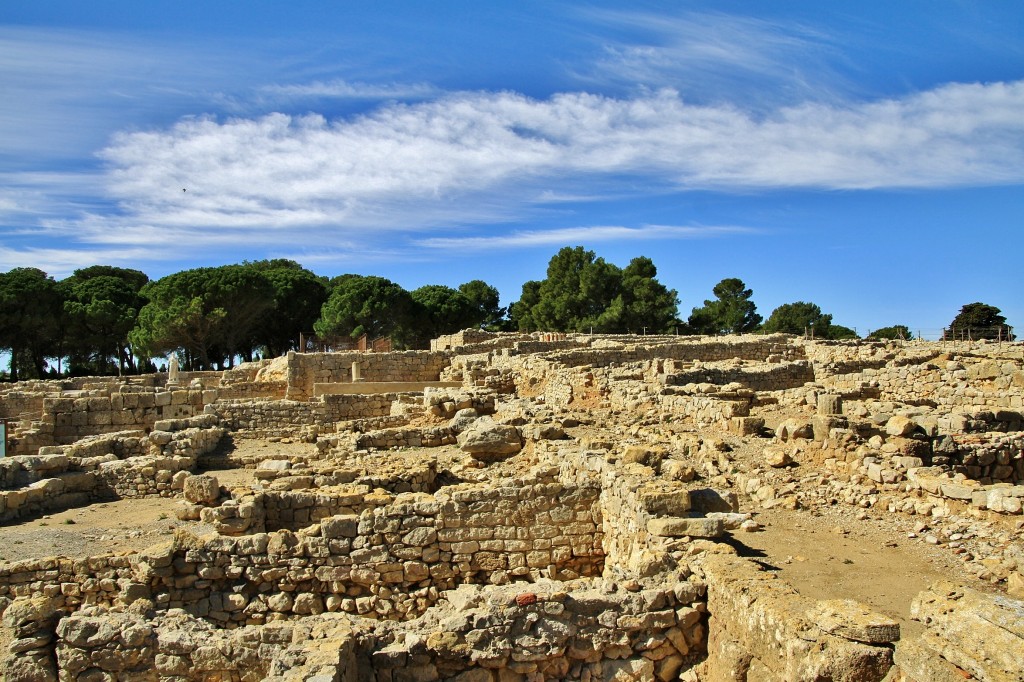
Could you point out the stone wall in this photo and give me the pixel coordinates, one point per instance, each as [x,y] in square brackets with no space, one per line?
[773,377]
[953,384]
[66,419]
[289,417]
[756,348]
[387,562]
[306,369]
[124,464]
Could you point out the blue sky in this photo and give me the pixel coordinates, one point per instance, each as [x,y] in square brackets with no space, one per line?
[867,156]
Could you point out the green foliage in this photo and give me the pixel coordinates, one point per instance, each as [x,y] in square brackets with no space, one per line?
[365,305]
[896,331]
[440,310]
[486,302]
[579,288]
[583,293]
[839,332]
[32,327]
[796,318]
[299,294]
[520,315]
[646,304]
[101,306]
[980,321]
[732,311]
[210,314]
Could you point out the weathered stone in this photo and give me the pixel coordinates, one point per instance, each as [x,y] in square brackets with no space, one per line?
[852,620]
[693,527]
[488,441]
[201,489]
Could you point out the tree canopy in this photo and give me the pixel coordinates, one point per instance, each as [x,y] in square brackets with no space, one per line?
[105,319]
[101,305]
[441,310]
[585,293]
[797,318]
[32,315]
[896,331]
[365,305]
[732,311]
[979,321]
[298,297]
[210,315]
[486,304]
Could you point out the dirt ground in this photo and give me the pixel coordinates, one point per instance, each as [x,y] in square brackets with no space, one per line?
[840,557]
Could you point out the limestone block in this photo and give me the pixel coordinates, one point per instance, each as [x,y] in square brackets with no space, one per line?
[693,527]
[900,426]
[201,489]
[488,441]
[344,526]
[705,500]
[980,633]
[660,501]
[792,429]
[852,620]
[777,457]
[830,403]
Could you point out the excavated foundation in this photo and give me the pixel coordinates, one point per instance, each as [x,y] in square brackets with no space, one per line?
[526,526]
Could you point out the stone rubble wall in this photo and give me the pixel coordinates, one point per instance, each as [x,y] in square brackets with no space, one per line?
[410,437]
[289,417]
[306,369]
[706,409]
[65,419]
[774,377]
[978,384]
[686,349]
[125,464]
[387,562]
[485,634]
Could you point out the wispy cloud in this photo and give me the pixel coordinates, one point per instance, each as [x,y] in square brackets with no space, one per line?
[341,89]
[579,235]
[712,56]
[60,263]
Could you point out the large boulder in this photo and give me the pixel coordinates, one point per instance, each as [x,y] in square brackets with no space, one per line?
[488,441]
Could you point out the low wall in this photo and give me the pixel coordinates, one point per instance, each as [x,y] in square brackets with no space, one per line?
[774,377]
[388,562]
[371,387]
[125,464]
[970,384]
[307,369]
[289,417]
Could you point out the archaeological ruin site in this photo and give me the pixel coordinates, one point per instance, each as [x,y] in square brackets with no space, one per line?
[525,507]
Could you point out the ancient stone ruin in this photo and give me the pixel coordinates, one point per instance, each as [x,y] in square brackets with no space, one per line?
[523,507]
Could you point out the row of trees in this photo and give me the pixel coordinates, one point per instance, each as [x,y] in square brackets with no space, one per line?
[108,320]
[105,319]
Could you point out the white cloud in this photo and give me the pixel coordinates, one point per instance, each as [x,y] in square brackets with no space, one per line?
[578,235]
[60,263]
[341,89]
[281,170]
[718,57]
[378,181]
